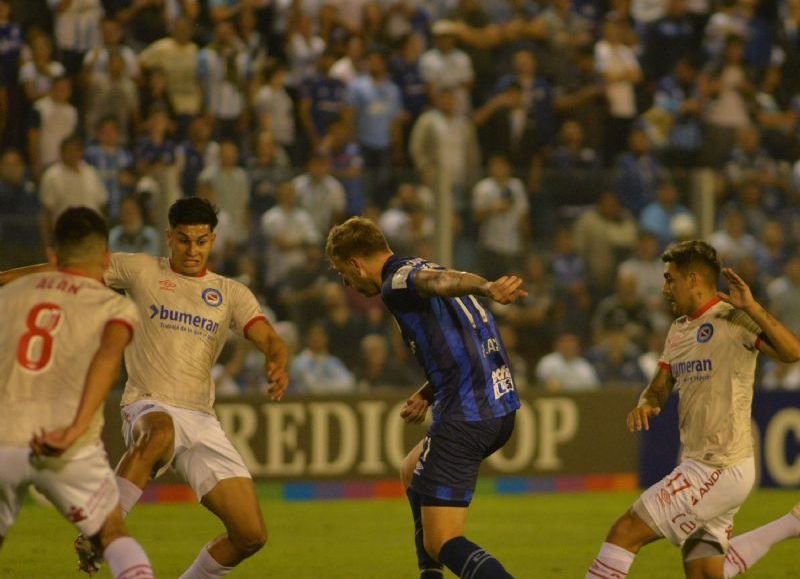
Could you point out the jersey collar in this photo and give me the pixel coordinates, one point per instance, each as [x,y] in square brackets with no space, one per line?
[202,273]
[75,272]
[703,309]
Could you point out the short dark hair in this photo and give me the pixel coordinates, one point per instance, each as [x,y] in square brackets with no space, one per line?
[77,231]
[692,254]
[356,237]
[192,211]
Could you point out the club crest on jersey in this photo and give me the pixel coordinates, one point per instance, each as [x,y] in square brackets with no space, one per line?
[212,297]
[704,333]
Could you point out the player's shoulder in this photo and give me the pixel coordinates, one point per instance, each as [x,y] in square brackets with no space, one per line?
[227,285]
[398,270]
[138,260]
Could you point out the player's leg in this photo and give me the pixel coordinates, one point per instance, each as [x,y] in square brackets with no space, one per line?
[151,446]
[126,558]
[746,549]
[14,481]
[429,568]
[627,536]
[234,501]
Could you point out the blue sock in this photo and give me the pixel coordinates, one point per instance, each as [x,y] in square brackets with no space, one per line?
[468,561]
[425,562]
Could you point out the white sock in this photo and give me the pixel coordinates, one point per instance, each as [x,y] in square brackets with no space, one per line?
[127,560]
[748,548]
[612,562]
[205,567]
[129,495]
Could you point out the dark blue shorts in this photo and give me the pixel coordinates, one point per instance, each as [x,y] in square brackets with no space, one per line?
[452,452]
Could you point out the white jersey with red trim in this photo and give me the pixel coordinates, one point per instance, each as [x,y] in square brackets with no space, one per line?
[53,325]
[185,321]
[712,358]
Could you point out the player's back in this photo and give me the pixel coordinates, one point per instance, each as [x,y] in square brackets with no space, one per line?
[54,323]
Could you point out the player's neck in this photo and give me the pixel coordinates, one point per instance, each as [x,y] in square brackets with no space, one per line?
[90,271]
[702,304]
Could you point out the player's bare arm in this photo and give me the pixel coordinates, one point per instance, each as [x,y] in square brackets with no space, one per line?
[100,378]
[651,401]
[415,408]
[450,283]
[11,274]
[780,342]
[263,335]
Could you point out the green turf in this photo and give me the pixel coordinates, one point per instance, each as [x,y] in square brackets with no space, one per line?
[536,536]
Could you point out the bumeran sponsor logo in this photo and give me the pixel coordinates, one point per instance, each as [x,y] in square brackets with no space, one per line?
[182,321]
[690,367]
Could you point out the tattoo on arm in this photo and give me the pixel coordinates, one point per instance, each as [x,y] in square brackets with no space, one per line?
[449,283]
[658,391]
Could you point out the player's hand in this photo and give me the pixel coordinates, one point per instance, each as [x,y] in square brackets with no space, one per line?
[278,381]
[507,289]
[53,443]
[739,294]
[640,416]
[415,409]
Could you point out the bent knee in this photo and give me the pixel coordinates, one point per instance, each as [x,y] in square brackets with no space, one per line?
[630,532]
[407,472]
[250,542]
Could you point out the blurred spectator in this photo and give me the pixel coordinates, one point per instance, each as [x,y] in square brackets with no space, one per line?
[615,359]
[604,236]
[345,324]
[646,267]
[784,295]
[580,95]
[732,242]
[266,168]
[778,376]
[113,94]
[304,49]
[195,154]
[225,72]
[287,228]
[575,167]
[519,365]
[638,174]
[349,67]
[620,69]
[96,61]
[657,217]
[36,76]
[53,119]
[76,25]
[624,309]
[749,201]
[749,161]
[231,189]
[323,100]
[154,149]
[274,107]
[407,222]
[154,94]
[177,57]
[377,370]
[445,66]
[573,302]
[144,21]
[406,74]
[444,141]
[320,194]
[728,85]
[648,359]
[565,370]
[500,206]
[17,189]
[11,43]
[347,165]
[114,163]
[505,127]
[302,292]
[679,96]
[666,40]
[315,370]
[774,251]
[132,235]
[377,123]
[71,182]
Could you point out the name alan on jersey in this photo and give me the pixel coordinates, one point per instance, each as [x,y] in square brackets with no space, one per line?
[183,321]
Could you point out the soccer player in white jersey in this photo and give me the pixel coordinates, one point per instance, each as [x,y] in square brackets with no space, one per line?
[60,350]
[167,405]
[710,358]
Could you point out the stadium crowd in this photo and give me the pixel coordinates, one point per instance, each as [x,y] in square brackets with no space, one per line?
[571,132]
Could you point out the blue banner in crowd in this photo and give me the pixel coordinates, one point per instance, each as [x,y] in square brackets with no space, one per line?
[776,430]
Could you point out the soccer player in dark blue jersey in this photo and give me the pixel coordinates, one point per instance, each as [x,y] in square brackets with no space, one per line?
[470,385]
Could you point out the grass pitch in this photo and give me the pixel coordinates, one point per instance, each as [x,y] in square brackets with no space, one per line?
[535,536]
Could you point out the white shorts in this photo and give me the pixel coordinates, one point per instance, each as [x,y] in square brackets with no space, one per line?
[203,454]
[697,501]
[82,488]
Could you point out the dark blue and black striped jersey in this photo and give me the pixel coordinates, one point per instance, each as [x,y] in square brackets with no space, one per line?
[457,343]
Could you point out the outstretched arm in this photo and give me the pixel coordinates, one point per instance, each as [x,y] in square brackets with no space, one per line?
[448,283]
[263,335]
[10,275]
[102,373]
[651,401]
[780,343]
